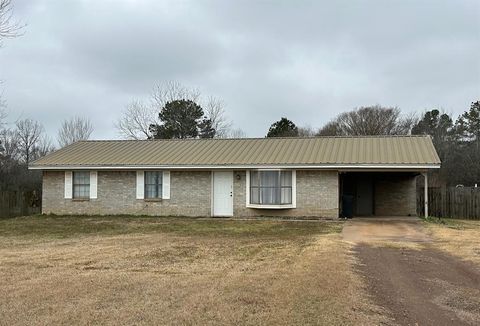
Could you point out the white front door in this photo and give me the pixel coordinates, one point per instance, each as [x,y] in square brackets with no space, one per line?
[223,193]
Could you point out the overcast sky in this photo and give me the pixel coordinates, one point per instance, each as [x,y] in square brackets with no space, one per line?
[306,60]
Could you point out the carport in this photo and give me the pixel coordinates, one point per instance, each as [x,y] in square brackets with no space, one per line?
[379,193]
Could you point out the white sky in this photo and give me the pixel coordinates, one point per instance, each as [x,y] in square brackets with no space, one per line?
[306,60]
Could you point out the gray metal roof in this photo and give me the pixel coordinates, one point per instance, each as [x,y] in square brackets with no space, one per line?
[315,151]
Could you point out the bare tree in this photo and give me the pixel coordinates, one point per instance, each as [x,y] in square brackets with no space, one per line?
[215,110]
[329,129]
[138,116]
[29,133]
[73,130]
[169,91]
[9,144]
[236,133]
[372,120]
[43,147]
[136,120]
[8,27]
[306,131]
[3,115]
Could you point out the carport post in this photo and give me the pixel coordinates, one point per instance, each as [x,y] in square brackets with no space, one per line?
[425,175]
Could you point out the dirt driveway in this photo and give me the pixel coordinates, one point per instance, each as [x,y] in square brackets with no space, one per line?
[404,273]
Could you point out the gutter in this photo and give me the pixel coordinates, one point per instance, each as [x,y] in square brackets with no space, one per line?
[345,167]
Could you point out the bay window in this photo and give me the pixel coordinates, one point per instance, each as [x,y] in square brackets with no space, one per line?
[271,187]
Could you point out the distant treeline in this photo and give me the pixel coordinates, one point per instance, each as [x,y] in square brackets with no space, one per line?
[177,112]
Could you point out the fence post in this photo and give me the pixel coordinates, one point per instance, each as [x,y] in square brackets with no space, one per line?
[425,176]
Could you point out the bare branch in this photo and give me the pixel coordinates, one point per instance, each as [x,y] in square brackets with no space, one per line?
[169,91]
[43,147]
[8,27]
[9,144]
[215,110]
[329,129]
[236,133]
[74,130]
[306,131]
[136,120]
[372,120]
[29,133]
[3,115]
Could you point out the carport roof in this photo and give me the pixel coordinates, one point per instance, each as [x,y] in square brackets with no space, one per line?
[313,152]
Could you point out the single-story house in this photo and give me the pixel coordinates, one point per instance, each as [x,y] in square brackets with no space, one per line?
[326,177]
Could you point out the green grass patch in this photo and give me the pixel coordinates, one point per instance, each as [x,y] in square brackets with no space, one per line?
[74,226]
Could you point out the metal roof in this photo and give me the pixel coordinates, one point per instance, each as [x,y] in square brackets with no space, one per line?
[309,152]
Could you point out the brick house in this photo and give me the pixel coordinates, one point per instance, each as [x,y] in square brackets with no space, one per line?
[292,177]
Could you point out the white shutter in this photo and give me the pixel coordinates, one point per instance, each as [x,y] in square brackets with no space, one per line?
[93,184]
[140,184]
[166,185]
[68,184]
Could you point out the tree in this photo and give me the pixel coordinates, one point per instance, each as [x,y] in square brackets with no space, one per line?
[236,133]
[434,124]
[283,128]
[461,163]
[439,126]
[215,110]
[29,133]
[8,27]
[74,130]
[3,116]
[136,120]
[9,144]
[468,124]
[138,116]
[181,119]
[329,129]
[170,91]
[456,145]
[43,147]
[306,131]
[371,120]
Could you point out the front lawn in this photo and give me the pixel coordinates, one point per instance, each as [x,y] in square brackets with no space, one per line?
[143,270]
[458,237]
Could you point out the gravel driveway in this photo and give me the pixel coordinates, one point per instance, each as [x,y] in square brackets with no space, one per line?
[415,283]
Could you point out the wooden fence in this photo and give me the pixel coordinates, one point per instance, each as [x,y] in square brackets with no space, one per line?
[19,203]
[462,202]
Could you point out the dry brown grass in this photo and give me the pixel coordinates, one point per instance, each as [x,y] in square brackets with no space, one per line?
[194,273]
[460,238]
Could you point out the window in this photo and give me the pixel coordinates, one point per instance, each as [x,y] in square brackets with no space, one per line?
[81,184]
[271,187]
[153,184]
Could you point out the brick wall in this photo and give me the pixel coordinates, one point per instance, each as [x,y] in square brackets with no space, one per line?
[317,196]
[395,195]
[189,193]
